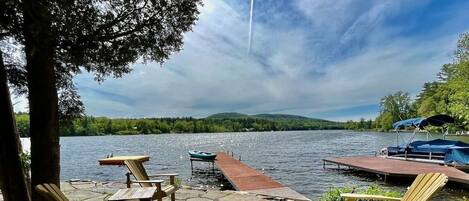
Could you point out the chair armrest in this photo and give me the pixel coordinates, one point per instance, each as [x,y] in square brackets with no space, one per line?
[148,181]
[164,175]
[353,196]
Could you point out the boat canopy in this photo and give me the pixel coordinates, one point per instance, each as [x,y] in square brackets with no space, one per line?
[414,122]
[437,120]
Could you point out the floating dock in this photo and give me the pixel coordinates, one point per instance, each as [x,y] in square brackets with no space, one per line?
[245,178]
[397,168]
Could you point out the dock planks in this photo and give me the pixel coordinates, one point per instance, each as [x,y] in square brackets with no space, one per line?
[119,160]
[393,167]
[245,178]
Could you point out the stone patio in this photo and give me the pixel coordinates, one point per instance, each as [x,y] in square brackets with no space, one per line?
[94,191]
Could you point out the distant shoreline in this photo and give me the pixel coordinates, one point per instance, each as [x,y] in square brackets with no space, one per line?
[97,126]
[228,132]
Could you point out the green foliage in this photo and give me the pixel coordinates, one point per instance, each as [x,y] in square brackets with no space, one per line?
[22,124]
[25,159]
[397,106]
[100,37]
[384,121]
[361,125]
[334,193]
[376,190]
[393,107]
[448,95]
[105,126]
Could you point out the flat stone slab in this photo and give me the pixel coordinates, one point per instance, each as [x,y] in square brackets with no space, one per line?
[98,191]
[282,192]
[240,197]
[199,199]
[213,195]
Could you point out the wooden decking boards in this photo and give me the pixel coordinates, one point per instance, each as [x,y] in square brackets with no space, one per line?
[392,167]
[119,160]
[245,178]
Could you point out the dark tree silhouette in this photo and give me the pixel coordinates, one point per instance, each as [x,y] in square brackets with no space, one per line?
[11,173]
[63,38]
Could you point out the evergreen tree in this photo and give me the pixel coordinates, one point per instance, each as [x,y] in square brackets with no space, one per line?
[62,38]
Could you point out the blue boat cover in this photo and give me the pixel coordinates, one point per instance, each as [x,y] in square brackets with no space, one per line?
[415,122]
[437,120]
[454,151]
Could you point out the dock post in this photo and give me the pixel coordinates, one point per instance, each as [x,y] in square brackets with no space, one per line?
[323,164]
[128,179]
[192,169]
[213,166]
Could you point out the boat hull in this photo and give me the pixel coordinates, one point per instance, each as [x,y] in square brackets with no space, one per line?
[202,155]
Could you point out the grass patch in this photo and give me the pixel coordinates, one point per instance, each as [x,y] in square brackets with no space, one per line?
[334,193]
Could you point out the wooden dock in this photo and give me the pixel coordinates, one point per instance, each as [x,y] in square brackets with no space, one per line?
[245,178]
[393,167]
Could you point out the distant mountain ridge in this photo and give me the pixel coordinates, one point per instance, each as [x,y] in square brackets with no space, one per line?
[236,115]
[227,115]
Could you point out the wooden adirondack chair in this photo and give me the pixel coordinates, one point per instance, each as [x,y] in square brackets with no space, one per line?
[50,192]
[136,168]
[422,189]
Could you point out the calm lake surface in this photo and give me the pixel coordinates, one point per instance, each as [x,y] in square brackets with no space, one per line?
[294,158]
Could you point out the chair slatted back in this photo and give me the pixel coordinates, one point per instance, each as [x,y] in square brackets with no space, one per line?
[50,192]
[139,172]
[425,186]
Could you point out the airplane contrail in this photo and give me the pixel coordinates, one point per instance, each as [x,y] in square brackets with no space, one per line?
[250,27]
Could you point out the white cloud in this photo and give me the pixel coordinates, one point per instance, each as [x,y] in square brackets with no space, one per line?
[299,69]
[20,103]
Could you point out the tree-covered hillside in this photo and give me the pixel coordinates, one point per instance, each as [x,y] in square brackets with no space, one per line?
[235,115]
[282,116]
[227,115]
[221,122]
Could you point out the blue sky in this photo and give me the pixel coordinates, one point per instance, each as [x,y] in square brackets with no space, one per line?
[317,58]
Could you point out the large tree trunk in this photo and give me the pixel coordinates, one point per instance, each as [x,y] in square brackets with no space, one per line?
[43,101]
[13,184]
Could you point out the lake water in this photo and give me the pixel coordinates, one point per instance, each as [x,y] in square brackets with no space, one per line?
[292,158]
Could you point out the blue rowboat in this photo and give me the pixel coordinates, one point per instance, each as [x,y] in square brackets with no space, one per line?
[202,155]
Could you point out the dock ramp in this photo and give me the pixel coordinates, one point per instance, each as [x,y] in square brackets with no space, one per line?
[245,178]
